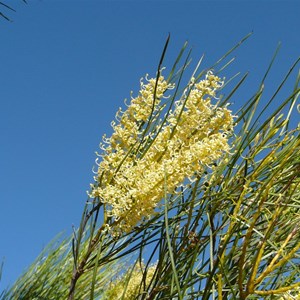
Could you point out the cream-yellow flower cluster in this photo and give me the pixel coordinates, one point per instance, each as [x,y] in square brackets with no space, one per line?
[132,179]
[132,286]
[128,133]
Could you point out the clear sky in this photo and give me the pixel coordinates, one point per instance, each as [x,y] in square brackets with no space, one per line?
[66,67]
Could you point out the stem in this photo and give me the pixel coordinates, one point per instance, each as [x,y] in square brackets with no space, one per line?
[169,243]
[79,270]
[75,277]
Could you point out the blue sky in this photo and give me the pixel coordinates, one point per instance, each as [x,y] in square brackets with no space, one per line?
[66,67]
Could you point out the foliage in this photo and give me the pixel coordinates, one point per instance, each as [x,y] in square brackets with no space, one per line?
[48,277]
[227,230]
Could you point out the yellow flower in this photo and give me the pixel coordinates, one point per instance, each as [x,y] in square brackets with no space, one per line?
[137,167]
[132,283]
